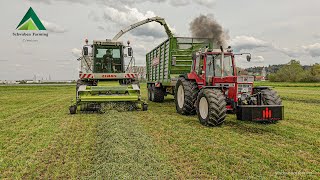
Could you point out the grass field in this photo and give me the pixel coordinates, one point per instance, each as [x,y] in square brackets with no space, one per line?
[39,139]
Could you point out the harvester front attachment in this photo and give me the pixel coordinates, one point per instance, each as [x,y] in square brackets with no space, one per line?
[96,95]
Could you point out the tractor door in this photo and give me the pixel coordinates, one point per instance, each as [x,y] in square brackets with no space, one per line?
[198,69]
[201,69]
[209,69]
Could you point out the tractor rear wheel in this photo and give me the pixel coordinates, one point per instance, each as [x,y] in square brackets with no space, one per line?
[211,107]
[185,96]
[158,94]
[270,97]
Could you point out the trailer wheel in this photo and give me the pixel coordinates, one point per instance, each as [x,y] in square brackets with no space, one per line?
[185,95]
[211,107]
[150,93]
[270,97]
[158,94]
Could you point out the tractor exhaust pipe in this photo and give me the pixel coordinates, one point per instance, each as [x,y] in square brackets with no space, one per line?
[222,62]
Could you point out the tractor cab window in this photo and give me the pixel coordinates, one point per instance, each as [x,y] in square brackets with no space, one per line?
[199,64]
[209,65]
[196,65]
[217,66]
[227,66]
[107,60]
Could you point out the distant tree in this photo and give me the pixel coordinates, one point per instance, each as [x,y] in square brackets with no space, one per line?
[315,71]
[292,72]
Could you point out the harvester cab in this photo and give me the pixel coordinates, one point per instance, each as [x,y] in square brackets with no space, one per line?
[103,79]
[213,88]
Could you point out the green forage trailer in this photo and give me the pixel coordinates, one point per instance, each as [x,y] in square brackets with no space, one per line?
[168,61]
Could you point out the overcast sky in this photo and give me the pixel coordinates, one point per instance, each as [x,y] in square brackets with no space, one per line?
[273,31]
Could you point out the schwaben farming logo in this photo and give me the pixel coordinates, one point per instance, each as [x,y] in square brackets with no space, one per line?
[31,22]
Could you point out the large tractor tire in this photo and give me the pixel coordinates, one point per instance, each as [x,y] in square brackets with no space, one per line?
[185,96]
[158,94]
[270,97]
[211,107]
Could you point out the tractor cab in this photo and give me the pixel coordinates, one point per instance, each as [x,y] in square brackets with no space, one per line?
[217,69]
[214,65]
[105,56]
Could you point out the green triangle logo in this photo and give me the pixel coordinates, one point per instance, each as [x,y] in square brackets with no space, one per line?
[30,22]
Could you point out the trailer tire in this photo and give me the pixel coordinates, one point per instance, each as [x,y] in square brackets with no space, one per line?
[158,94]
[150,93]
[270,97]
[185,96]
[211,107]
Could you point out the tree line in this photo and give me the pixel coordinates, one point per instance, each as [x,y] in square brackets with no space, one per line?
[295,72]
[290,72]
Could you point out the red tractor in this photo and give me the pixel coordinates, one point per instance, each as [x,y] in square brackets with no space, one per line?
[213,88]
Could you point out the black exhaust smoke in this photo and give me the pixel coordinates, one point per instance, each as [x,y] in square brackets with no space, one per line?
[207,27]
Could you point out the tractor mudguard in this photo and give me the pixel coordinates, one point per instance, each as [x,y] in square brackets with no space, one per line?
[260,112]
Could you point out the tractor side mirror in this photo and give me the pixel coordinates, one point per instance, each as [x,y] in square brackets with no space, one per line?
[130,52]
[85,51]
[248,58]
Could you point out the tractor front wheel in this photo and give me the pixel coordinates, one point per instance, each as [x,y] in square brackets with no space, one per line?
[185,96]
[211,107]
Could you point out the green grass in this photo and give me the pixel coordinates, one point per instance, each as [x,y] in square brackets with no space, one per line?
[39,139]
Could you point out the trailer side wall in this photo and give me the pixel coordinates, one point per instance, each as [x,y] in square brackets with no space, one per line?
[173,57]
